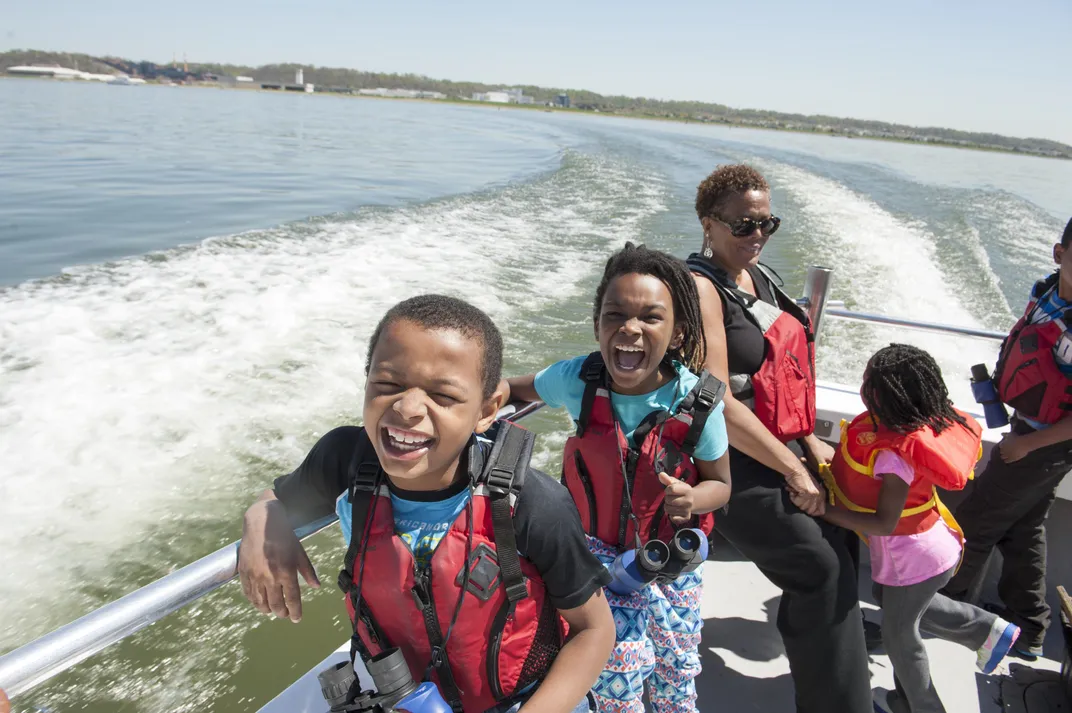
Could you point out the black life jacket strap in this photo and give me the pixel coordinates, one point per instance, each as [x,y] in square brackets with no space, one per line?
[594,376]
[504,476]
[699,403]
[365,477]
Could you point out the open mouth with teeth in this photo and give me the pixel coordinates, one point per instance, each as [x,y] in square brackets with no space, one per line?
[628,358]
[405,445]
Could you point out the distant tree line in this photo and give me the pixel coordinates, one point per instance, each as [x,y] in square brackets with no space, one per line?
[338,79]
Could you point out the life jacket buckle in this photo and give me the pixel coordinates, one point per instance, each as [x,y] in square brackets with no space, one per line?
[517,591]
[500,480]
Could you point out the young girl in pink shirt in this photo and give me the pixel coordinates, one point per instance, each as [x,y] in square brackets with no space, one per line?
[883,481]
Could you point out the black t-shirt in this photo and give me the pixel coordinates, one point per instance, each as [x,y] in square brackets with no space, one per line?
[745,346]
[546,524]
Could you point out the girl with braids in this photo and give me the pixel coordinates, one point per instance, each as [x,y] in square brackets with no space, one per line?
[649,457]
[882,483]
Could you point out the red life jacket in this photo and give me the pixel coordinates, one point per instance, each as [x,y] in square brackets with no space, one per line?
[782,392]
[945,460]
[1027,376]
[483,630]
[594,472]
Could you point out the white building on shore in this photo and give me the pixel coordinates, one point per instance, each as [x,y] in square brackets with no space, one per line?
[504,96]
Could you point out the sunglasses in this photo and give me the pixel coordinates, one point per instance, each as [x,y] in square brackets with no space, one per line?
[747,226]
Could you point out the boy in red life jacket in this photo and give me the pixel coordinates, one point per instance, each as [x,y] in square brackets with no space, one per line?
[883,481]
[1010,500]
[649,457]
[460,554]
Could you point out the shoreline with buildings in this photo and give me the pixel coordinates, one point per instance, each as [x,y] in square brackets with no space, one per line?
[291,78]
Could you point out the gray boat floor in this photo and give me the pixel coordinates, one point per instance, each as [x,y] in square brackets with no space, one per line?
[745,668]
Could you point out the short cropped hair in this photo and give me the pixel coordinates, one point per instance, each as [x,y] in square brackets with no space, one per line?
[725,182]
[443,312]
[1066,239]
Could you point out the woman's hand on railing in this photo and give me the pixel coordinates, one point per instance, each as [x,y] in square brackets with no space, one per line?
[270,557]
[5,704]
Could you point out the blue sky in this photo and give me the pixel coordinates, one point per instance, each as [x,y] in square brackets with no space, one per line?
[978,65]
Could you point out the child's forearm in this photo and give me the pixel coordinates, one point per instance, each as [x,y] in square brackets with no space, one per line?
[576,668]
[709,495]
[868,523]
[1057,433]
[522,388]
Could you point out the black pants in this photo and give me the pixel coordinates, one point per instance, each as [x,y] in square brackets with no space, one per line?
[1007,509]
[819,614]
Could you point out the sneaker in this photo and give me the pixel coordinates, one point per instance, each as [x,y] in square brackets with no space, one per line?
[872,635]
[1026,651]
[1002,636]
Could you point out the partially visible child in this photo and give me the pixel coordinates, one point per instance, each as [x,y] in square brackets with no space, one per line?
[883,479]
[460,554]
[649,457]
[1012,499]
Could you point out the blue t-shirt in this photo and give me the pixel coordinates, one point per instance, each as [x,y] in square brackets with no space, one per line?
[420,523]
[560,385]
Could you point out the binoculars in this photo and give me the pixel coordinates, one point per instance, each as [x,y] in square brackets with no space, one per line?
[396,691]
[657,560]
[983,389]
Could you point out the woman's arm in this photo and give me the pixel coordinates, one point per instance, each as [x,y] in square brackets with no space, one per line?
[891,502]
[746,432]
[581,660]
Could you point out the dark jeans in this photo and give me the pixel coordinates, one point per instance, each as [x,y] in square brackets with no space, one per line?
[1007,509]
[819,614]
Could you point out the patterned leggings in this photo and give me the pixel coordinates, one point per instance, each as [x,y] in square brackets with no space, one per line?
[658,641]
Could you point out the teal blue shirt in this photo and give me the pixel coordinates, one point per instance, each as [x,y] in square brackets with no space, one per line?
[420,523]
[560,386]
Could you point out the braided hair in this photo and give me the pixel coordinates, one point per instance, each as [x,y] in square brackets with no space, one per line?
[637,259]
[904,390]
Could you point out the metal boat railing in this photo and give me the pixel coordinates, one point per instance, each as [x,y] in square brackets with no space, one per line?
[29,665]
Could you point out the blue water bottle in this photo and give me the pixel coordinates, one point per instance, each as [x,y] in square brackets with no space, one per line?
[985,393]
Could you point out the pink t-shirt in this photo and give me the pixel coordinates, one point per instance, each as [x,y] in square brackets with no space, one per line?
[903,560]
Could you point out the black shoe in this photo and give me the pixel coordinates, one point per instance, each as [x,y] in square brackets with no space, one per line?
[995,608]
[872,635]
[1025,651]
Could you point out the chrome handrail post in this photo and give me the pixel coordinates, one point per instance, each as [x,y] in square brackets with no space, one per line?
[816,290]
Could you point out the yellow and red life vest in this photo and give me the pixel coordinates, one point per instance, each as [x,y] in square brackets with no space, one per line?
[945,460]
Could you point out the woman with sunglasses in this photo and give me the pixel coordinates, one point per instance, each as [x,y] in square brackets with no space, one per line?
[760,343]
